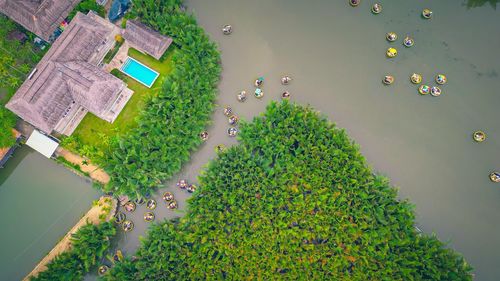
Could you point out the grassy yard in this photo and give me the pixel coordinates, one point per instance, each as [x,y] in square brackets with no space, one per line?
[96,132]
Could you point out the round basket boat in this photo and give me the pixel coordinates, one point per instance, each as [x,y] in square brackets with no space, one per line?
[441,79]
[408,42]
[376,8]
[149,217]
[258,82]
[182,184]
[102,270]
[168,196]
[127,226]
[416,78]
[204,136]
[129,206]
[388,80]
[259,93]
[427,14]
[242,96]
[233,119]
[391,52]
[118,256]
[227,111]
[479,136]
[140,201]
[172,205]
[354,3]
[424,89]
[151,204]
[285,95]
[495,177]
[391,36]
[435,91]
[232,132]
[285,80]
[220,148]
[191,188]
[120,217]
[227,29]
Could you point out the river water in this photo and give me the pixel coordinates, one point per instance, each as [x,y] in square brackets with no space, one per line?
[336,55]
[39,202]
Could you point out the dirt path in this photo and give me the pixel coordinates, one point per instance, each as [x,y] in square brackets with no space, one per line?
[94,171]
[65,244]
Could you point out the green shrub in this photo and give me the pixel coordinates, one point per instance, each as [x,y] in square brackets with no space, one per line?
[294,201]
[88,5]
[89,245]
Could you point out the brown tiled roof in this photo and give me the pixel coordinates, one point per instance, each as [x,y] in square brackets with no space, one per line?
[68,75]
[146,39]
[41,17]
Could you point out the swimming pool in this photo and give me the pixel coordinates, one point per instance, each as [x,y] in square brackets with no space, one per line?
[143,74]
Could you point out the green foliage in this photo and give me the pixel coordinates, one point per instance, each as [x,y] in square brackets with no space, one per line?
[7,122]
[480,3]
[88,5]
[168,128]
[294,201]
[16,60]
[89,244]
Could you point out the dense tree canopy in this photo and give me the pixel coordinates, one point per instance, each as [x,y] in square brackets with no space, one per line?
[89,244]
[17,58]
[295,201]
[168,129]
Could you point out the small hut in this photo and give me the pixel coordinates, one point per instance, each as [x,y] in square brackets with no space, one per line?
[145,39]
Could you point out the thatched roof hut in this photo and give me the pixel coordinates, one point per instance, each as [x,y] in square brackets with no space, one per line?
[145,39]
[68,82]
[41,17]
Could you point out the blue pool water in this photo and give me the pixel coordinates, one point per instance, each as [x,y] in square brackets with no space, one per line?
[139,72]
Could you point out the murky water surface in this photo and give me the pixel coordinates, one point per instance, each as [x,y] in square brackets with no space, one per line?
[39,202]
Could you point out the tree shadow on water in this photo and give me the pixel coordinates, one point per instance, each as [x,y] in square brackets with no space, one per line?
[480,3]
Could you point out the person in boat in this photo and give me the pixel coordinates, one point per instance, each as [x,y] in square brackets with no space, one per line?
[130,206]
[191,188]
[259,93]
[285,95]
[204,136]
[102,269]
[228,111]
[259,82]
[151,204]
[495,177]
[120,217]
[172,205]
[286,80]
[149,216]
[242,96]
[479,136]
[167,196]
[388,79]
[182,184]
[233,120]
[232,131]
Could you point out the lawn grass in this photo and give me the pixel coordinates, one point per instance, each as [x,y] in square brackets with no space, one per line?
[96,132]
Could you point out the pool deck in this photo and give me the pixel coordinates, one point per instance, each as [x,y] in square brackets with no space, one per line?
[120,57]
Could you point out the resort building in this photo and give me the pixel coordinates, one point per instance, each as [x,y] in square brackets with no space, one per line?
[69,81]
[145,39]
[41,17]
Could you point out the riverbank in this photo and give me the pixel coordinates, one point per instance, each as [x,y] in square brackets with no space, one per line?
[85,165]
[106,205]
[6,152]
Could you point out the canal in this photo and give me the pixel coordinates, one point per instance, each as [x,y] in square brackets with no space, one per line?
[336,55]
[39,202]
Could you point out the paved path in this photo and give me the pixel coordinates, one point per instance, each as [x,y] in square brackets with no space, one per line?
[94,171]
